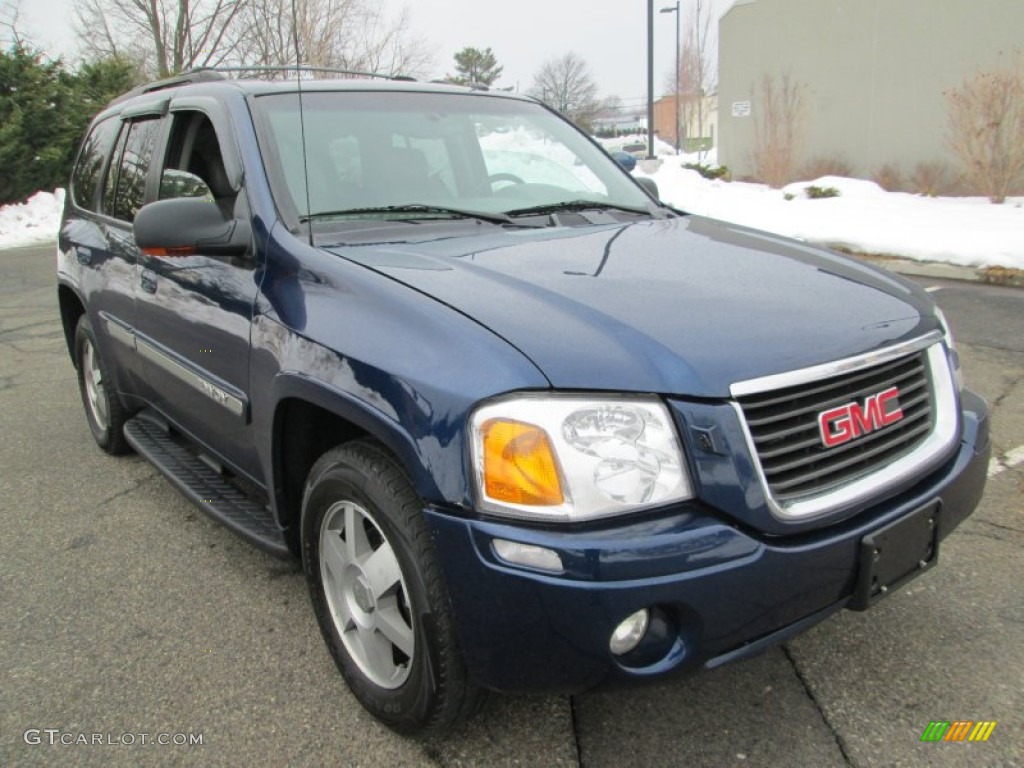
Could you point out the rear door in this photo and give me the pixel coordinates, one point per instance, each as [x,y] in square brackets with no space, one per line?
[108,186]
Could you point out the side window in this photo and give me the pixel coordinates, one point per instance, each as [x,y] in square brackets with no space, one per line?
[93,156]
[194,165]
[129,189]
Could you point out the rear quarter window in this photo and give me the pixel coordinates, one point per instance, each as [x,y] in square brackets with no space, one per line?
[129,189]
[88,171]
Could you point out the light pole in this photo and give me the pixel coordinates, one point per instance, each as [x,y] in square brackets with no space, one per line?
[650,79]
[675,9]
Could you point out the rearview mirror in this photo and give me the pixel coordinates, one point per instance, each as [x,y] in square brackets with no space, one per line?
[183,226]
[649,186]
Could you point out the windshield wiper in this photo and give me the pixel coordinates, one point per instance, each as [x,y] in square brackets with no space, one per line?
[495,218]
[578,205]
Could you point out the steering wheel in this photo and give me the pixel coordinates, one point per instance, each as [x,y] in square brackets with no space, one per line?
[494,178]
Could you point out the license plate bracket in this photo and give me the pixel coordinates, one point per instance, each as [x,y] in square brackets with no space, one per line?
[895,554]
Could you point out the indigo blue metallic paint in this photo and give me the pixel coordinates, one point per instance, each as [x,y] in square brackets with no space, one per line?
[404,339]
[684,306]
[724,587]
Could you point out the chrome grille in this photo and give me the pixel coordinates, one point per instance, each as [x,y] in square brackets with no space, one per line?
[783,425]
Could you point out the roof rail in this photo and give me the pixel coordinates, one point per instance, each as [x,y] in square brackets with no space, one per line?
[192,76]
[301,68]
[471,85]
[211,74]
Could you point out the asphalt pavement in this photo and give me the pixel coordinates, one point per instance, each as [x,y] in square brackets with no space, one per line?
[130,619]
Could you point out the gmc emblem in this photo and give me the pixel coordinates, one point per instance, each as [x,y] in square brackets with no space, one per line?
[848,422]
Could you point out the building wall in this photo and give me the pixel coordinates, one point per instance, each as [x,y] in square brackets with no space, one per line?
[874,70]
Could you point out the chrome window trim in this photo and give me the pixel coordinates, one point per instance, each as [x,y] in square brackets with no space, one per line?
[932,451]
[216,393]
[827,370]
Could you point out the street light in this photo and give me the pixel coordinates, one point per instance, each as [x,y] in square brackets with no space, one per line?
[650,79]
[675,9]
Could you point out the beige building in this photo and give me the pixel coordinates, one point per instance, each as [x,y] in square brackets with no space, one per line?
[873,73]
[697,123]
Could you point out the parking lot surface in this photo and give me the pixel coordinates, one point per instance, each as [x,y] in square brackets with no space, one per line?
[126,612]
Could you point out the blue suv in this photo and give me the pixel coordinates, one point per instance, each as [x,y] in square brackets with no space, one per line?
[525,426]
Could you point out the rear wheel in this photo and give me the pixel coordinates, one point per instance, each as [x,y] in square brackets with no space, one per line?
[103,409]
[377,591]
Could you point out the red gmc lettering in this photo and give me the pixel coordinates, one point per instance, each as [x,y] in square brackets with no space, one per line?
[848,422]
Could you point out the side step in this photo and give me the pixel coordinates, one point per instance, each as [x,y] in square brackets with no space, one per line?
[204,487]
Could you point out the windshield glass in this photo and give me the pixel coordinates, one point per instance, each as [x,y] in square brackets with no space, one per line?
[472,152]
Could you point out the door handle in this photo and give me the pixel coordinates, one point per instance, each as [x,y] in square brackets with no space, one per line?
[148,281]
[84,255]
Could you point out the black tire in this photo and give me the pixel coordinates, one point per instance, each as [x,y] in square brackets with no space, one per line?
[103,409]
[425,691]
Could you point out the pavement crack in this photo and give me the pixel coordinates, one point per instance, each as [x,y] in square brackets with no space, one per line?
[1010,386]
[576,731]
[125,491]
[840,741]
[40,324]
[1001,526]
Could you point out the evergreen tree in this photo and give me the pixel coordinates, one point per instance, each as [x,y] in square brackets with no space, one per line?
[473,65]
[44,111]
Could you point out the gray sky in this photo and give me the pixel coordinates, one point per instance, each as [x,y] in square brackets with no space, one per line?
[611,35]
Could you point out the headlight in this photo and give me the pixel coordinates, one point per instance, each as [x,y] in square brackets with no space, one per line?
[954,356]
[569,458]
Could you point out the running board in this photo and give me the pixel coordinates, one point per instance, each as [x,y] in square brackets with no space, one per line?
[205,487]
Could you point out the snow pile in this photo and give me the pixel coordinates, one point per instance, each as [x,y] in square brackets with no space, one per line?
[969,231]
[34,221]
[662,149]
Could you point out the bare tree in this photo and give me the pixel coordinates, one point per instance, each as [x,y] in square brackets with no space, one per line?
[697,73]
[779,113]
[344,34]
[10,36]
[164,36]
[565,83]
[986,130]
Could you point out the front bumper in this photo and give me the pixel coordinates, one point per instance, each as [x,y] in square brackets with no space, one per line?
[720,592]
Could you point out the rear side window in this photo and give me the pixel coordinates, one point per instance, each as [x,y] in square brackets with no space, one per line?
[86,177]
[127,193]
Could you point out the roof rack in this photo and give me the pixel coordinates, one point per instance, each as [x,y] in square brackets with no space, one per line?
[471,85]
[297,68]
[212,74]
[193,76]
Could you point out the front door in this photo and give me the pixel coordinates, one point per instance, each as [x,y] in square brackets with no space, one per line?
[193,312]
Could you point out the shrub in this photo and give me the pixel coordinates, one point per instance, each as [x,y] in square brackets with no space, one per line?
[826,166]
[986,129]
[889,177]
[929,179]
[778,129]
[817,193]
[710,171]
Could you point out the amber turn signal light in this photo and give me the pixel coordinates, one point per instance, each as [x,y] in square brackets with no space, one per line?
[519,464]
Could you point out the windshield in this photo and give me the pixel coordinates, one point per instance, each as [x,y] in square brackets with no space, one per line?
[377,152]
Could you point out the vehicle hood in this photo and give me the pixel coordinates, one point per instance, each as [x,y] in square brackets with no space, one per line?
[683,306]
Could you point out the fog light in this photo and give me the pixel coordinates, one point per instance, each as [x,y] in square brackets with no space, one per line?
[530,555]
[629,633]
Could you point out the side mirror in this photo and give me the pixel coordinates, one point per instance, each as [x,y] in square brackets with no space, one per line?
[624,159]
[183,226]
[644,181]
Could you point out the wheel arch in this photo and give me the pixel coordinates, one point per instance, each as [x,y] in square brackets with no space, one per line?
[71,310]
[309,419]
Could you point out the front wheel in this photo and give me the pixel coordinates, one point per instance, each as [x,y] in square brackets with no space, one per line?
[377,591]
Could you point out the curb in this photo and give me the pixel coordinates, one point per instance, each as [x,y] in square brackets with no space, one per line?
[1004,276]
